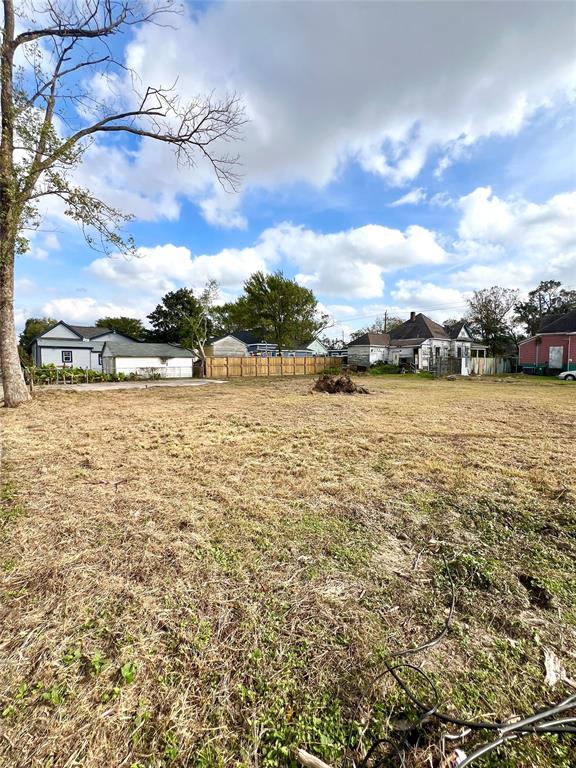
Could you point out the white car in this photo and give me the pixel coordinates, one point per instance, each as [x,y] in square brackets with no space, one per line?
[567,375]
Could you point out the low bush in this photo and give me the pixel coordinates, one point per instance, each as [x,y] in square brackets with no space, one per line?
[50,374]
[380,369]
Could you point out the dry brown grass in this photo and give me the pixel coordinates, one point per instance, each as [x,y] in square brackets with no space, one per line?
[206,577]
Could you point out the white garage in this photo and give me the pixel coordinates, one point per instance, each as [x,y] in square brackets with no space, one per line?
[147,360]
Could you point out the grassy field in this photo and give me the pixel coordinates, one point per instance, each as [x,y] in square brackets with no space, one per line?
[212,576]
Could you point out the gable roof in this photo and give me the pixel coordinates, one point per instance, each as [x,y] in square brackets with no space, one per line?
[371,340]
[88,331]
[95,345]
[421,327]
[454,330]
[127,348]
[84,331]
[561,324]
[306,343]
[246,337]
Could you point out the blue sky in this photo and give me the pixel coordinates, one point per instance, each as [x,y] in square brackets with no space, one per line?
[397,156]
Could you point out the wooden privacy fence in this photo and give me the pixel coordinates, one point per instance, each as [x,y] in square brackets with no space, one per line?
[488,366]
[232,367]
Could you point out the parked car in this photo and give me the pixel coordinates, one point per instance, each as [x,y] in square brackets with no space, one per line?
[567,375]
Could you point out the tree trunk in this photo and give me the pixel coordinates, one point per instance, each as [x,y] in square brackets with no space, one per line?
[15,390]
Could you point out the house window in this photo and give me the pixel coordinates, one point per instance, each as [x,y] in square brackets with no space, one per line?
[100,358]
[66,356]
[458,351]
[437,351]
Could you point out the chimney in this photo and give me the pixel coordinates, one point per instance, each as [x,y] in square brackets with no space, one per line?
[412,316]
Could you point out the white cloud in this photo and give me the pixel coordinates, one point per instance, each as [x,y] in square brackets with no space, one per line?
[430,298]
[24,285]
[516,243]
[165,267]
[349,263]
[316,81]
[221,212]
[89,310]
[414,197]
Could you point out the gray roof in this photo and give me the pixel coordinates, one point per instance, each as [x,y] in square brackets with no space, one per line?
[246,337]
[454,330]
[89,331]
[562,324]
[95,345]
[371,340]
[407,342]
[421,327]
[127,348]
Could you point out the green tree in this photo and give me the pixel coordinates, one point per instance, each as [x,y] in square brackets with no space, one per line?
[130,326]
[33,327]
[549,298]
[50,118]
[489,313]
[234,316]
[279,310]
[168,318]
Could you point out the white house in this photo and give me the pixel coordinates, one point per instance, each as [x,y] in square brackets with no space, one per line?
[368,349]
[147,359]
[77,346]
[419,343]
[310,348]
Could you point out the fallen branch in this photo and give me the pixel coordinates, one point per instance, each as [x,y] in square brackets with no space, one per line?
[309,761]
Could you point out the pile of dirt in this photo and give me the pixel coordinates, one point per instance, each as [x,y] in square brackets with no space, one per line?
[335,385]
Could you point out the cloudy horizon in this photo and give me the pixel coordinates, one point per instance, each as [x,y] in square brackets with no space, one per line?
[396,156]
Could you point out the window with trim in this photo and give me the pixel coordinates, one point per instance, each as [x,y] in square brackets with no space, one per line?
[67,356]
[99,358]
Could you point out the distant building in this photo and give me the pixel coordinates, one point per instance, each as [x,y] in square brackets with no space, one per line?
[554,346]
[417,343]
[78,346]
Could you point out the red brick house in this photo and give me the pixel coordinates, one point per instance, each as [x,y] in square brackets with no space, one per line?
[554,345]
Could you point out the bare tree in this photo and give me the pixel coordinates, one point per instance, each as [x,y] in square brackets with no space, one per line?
[50,119]
[196,327]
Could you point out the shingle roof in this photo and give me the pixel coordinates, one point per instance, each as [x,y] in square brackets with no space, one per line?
[246,337]
[372,340]
[88,331]
[144,349]
[454,330]
[421,327]
[95,346]
[562,324]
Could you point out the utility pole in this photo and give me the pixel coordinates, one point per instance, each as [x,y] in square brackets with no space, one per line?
[385,320]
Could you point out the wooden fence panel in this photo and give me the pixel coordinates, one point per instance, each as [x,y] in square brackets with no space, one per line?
[488,366]
[250,367]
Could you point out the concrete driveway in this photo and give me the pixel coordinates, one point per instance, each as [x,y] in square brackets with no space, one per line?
[110,386]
